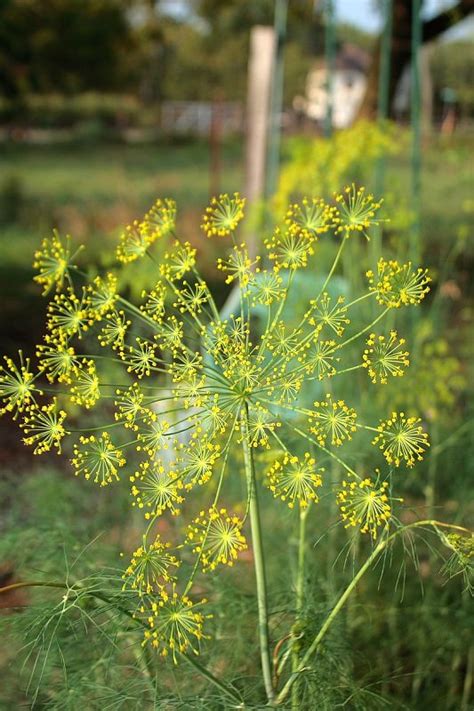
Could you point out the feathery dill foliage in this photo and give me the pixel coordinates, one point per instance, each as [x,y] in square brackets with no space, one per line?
[193,386]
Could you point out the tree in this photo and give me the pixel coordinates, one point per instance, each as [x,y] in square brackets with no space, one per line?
[63,45]
[401,46]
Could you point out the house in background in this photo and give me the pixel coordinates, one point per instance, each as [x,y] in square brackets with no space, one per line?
[348,84]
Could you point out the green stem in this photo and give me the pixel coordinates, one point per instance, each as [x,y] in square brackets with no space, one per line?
[259,561]
[345,596]
[300,585]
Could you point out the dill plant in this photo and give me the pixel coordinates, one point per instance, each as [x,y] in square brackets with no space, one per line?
[189,388]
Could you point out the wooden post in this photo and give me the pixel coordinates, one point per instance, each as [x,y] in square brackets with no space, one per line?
[262,47]
[262,53]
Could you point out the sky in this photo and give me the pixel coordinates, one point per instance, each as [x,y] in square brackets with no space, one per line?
[363,14]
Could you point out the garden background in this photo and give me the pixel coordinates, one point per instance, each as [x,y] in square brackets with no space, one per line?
[106,105]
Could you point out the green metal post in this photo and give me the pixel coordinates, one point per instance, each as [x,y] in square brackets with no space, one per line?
[382,113]
[276,99]
[415,116]
[330,59]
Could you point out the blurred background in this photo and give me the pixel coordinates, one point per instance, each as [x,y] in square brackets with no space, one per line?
[106,105]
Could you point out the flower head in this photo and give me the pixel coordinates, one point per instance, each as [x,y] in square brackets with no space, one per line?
[17,385]
[398,284]
[356,211]
[149,568]
[53,261]
[401,438]
[333,420]
[295,480]
[85,388]
[365,505]
[311,217]
[175,624]
[44,428]
[223,215]
[97,458]
[155,488]
[385,357]
[216,537]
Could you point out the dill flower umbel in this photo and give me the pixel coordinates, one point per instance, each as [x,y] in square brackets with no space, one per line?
[43,427]
[333,420]
[356,211]
[365,505]
[295,480]
[175,624]
[398,284]
[384,357]
[401,438]
[216,537]
[53,261]
[149,569]
[223,215]
[97,458]
[17,385]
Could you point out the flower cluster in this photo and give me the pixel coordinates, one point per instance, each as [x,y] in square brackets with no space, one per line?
[188,388]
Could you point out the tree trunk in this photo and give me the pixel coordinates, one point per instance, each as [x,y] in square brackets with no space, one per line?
[401,48]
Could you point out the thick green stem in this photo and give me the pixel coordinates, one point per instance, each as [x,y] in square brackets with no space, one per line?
[300,585]
[259,561]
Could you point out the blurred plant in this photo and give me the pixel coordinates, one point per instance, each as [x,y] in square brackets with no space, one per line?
[323,166]
[190,388]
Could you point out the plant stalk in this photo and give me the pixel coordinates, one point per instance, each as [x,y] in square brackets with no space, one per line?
[259,560]
[300,585]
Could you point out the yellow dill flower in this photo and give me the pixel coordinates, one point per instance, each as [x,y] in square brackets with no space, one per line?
[134,242]
[69,315]
[44,427]
[142,358]
[280,340]
[155,488]
[178,262]
[129,404]
[401,438]
[17,385]
[97,458]
[325,313]
[114,330]
[216,537]
[311,217]
[192,297]
[175,624]
[170,334]
[149,568]
[289,248]
[333,420]
[365,505]
[53,260]
[57,358]
[238,266]
[153,433]
[385,357]
[295,480]
[223,215]
[261,424]
[356,211]
[154,306]
[102,294]
[319,359]
[195,462]
[160,220]
[267,287]
[398,284]
[85,388]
